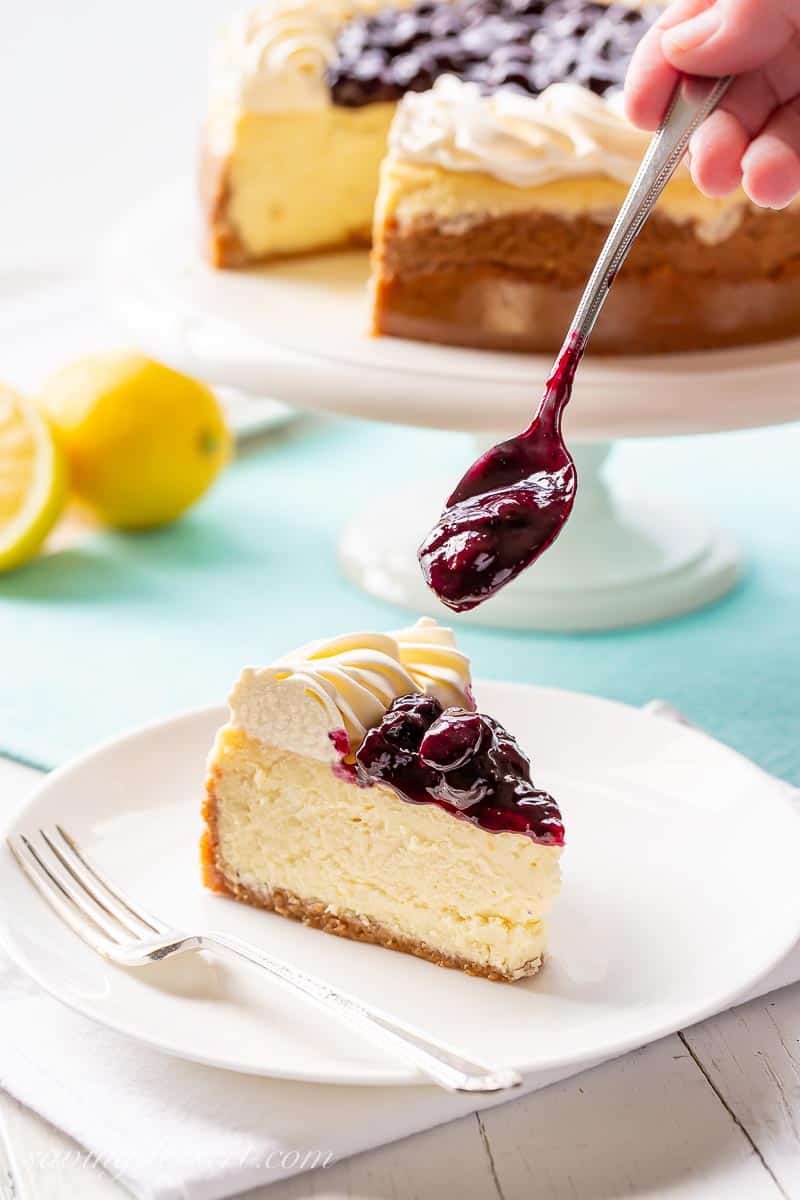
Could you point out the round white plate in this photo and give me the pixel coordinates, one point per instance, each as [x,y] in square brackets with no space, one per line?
[680,890]
[299,331]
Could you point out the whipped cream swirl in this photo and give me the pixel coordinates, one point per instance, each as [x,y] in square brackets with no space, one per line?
[274,57]
[527,141]
[351,681]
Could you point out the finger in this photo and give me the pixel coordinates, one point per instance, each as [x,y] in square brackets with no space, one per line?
[651,80]
[719,145]
[783,73]
[682,10]
[716,152]
[649,83]
[771,163]
[752,100]
[728,38]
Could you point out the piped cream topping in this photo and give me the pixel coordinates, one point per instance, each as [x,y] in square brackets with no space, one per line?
[347,683]
[273,58]
[566,131]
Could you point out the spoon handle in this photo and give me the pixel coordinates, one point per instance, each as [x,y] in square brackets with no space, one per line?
[693,101]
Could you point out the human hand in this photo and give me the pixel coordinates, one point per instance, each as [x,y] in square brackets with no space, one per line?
[753,138]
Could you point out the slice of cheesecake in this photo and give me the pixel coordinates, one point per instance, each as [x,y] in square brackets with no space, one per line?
[355,788]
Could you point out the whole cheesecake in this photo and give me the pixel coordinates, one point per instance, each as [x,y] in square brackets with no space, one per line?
[509,156]
[355,788]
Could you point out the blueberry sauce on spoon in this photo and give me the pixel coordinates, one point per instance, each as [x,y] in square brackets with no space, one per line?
[514,501]
[511,504]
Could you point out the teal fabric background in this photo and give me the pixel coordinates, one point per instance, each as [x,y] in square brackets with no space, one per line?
[128,629]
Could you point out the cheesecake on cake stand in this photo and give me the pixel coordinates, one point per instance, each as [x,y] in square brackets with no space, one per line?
[297,331]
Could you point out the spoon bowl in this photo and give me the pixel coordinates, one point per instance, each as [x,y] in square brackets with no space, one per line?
[509,507]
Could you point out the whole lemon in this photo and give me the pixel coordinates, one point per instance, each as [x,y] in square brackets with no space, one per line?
[142,441]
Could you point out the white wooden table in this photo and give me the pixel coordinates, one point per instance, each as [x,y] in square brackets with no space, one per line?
[712,1113]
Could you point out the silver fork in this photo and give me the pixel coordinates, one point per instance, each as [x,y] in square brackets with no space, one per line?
[124,933]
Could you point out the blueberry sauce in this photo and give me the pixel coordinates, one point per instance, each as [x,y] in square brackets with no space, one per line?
[522,45]
[509,507]
[341,741]
[464,762]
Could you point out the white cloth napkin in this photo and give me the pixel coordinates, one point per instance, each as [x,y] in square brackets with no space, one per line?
[172,1130]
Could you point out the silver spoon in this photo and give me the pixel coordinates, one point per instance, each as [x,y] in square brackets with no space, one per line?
[514,501]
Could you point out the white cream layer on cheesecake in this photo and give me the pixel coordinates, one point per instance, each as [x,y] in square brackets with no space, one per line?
[347,683]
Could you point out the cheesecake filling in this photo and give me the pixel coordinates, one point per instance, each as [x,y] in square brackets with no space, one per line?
[363,862]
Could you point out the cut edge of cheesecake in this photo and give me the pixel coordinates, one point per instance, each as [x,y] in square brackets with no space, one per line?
[341,922]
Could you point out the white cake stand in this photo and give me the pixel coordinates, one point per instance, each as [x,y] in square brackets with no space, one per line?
[296,331]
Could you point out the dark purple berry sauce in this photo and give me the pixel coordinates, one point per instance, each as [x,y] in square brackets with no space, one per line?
[509,507]
[463,761]
[524,45]
[341,742]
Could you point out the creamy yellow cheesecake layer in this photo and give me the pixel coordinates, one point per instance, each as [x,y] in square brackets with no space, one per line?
[287,822]
[409,191]
[307,179]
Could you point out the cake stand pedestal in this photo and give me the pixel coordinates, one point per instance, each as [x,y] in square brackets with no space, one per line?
[623,559]
[296,331]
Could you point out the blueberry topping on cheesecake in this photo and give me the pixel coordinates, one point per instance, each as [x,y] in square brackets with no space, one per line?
[522,44]
[464,761]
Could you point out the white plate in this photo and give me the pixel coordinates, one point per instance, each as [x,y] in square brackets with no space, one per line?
[298,330]
[680,890]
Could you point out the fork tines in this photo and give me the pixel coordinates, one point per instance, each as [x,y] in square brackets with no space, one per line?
[94,909]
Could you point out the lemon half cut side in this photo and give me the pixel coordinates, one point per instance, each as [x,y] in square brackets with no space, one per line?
[33,480]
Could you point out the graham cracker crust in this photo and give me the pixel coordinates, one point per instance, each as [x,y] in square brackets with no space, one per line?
[222,244]
[513,283]
[314,912]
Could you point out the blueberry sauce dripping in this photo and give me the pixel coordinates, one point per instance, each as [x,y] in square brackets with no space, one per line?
[524,45]
[464,762]
[509,507]
[340,741]
[344,769]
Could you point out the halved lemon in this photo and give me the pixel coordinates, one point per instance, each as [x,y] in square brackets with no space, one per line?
[33,479]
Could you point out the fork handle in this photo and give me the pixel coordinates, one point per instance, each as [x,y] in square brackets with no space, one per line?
[443,1066]
[694,100]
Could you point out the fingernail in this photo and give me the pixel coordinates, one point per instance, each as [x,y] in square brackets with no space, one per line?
[692,34]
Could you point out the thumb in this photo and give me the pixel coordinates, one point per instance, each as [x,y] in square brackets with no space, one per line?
[729,38]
